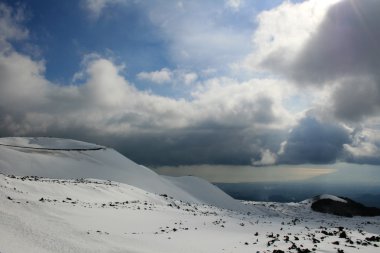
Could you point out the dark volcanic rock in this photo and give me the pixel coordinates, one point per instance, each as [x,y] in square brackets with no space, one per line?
[348,209]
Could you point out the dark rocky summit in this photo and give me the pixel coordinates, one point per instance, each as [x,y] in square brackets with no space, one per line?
[349,208]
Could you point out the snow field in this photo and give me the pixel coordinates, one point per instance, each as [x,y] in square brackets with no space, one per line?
[46,215]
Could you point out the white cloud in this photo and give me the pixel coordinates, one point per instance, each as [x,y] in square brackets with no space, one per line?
[284,30]
[258,102]
[365,146]
[190,78]
[22,81]
[362,150]
[165,75]
[199,34]
[106,104]
[24,77]
[267,158]
[281,151]
[160,76]
[10,26]
[234,4]
[96,7]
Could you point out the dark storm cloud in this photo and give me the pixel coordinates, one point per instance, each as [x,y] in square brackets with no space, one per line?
[313,141]
[345,44]
[263,112]
[199,145]
[188,147]
[356,98]
[344,54]
[344,51]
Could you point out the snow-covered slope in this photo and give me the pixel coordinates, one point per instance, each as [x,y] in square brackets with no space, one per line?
[208,193]
[41,215]
[64,159]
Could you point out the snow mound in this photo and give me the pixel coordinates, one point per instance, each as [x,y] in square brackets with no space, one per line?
[320,197]
[68,159]
[332,197]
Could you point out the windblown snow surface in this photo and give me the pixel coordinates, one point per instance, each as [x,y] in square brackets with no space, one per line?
[38,214]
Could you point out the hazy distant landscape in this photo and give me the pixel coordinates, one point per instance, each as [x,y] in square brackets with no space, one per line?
[296,192]
[291,183]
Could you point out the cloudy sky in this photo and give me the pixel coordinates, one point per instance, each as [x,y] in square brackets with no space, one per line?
[168,83]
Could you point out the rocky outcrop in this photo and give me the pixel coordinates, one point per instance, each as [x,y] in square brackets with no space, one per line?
[347,208]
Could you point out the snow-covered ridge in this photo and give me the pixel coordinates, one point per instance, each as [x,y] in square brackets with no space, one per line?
[68,159]
[332,197]
[46,143]
[323,196]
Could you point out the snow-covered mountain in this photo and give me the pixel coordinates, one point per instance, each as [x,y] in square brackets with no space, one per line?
[65,159]
[42,210]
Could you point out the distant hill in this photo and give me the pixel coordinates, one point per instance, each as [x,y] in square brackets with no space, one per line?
[342,206]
